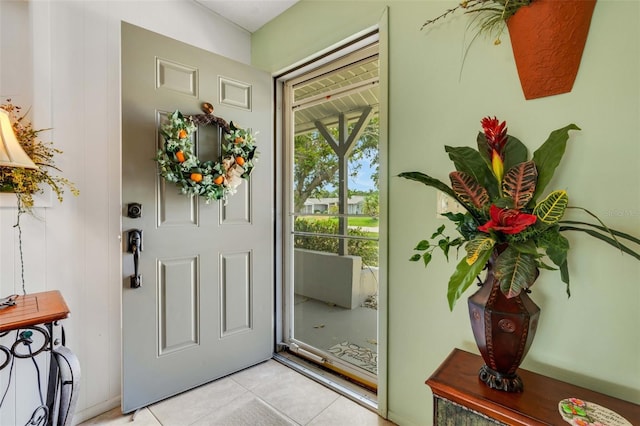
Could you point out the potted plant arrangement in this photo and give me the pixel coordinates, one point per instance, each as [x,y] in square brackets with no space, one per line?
[547,37]
[512,228]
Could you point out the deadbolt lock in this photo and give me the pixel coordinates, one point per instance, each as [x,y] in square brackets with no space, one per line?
[134,210]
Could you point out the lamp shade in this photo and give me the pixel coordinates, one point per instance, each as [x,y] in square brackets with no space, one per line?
[11,153]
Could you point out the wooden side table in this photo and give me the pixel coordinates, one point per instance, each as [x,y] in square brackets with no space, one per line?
[36,320]
[460,398]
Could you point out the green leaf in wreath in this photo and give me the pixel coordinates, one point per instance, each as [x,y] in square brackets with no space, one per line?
[463,277]
[548,156]
[469,190]
[476,247]
[515,271]
[519,183]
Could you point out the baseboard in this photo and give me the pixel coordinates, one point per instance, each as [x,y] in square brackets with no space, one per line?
[96,410]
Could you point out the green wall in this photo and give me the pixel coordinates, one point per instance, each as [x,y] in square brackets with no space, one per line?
[591,339]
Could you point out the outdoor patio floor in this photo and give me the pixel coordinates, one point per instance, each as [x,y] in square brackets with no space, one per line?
[325,325]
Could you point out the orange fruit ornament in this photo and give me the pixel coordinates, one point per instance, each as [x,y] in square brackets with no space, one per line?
[218,180]
[240,161]
[182,134]
[180,156]
[239,139]
[196,177]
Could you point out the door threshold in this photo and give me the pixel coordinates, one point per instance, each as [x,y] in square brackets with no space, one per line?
[346,388]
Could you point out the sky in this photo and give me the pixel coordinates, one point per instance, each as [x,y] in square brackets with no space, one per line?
[363,181]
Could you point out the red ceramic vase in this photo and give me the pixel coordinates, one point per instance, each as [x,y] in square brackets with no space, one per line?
[503,329]
[548,38]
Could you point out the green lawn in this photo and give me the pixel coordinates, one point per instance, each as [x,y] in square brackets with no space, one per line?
[364,221]
[353,221]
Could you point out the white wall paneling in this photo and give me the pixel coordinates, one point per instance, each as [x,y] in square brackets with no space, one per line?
[62,58]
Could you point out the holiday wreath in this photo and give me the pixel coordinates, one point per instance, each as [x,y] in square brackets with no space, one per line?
[211,180]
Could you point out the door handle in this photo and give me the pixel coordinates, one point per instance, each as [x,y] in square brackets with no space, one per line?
[135,247]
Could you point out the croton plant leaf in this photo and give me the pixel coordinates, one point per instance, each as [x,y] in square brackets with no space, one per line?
[520,183]
[468,190]
[551,209]
[515,271]
[468,160]
[478,246]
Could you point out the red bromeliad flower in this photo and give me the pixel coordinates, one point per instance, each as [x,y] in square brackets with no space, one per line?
[507,221]
[496,135]
[495,132]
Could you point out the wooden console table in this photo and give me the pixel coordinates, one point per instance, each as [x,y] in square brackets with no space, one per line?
[26,318]
[460,398]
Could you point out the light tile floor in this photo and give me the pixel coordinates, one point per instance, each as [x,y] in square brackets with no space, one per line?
[268,394]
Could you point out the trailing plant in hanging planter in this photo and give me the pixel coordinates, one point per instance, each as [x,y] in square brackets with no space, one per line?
[490,16]
[547,37]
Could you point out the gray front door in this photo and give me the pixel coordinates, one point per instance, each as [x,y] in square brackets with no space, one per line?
[205,305]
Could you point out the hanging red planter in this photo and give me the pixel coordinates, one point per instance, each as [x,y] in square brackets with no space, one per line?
[548,38]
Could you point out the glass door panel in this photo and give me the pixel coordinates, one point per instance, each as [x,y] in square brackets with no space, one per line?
[333,219]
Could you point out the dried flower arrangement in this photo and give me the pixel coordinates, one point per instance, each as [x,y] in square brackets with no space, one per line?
[27,182]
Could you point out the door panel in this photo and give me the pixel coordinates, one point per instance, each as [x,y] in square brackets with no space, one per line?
[236,292]
[205,306]
[237,213]
[178,304]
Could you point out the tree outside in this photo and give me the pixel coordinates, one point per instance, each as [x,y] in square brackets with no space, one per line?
[315,170]
[316,176]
